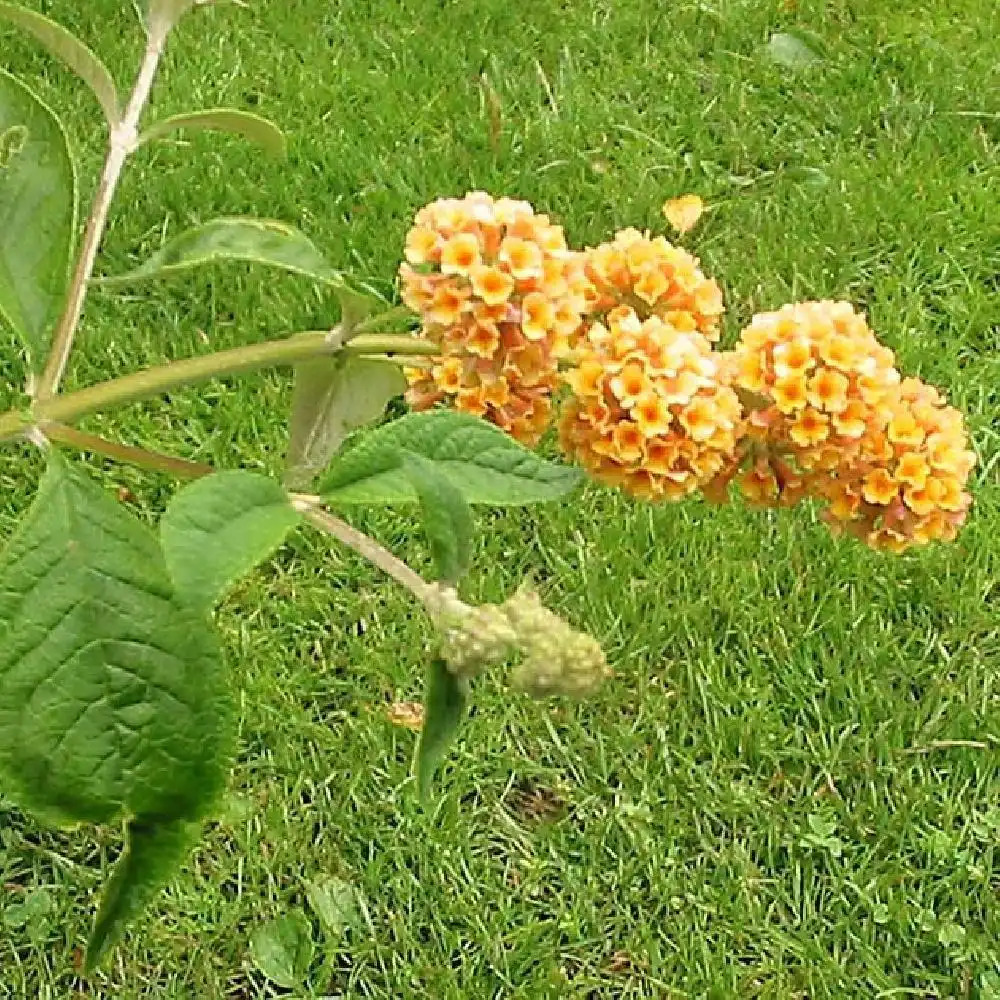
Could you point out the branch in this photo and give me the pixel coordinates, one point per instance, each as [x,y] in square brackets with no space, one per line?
[122,143]
[156,381]
[364,546]
[181,468]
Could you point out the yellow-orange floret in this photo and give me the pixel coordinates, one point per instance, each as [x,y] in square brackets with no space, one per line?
[906,485]
[628,423]
[653,278]
[497,288]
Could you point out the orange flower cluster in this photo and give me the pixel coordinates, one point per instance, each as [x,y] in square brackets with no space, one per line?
[648,412]
[808,404]
[497,288]
[907,485]
[831,417]
[654,278]
[816,381]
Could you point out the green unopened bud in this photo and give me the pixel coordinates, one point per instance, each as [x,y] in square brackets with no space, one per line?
[472,638]
[557,658]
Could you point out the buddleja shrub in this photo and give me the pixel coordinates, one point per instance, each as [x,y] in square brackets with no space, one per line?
[114,704]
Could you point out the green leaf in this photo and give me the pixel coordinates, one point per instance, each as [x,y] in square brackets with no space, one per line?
[355,308]
[153,851]
[36,907]
[251,241]
[445,697]
[332,397]
[113,698]
[259,130]
[283,949]
[486,465]
[37,216]
[65,46]
[218,528]
[790,51]
[335,902]
[447,517]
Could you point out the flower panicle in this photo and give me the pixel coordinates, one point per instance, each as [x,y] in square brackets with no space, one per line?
[831,417]
[649,409]
[499,291]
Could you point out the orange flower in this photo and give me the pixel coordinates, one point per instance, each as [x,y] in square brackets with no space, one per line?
[483,339]
[538,316]
[491,284]
[790,393]
[447,305]
[497,289]
[448,374]
[630,383]
[627,424]
[460,254]
[651,413]
[523,258]
[880,487]
[793,358]
[828,391]
[851,421]
[422,245]
[810,428]
[912,469]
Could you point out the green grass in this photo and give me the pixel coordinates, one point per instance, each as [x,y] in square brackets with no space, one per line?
[774,798]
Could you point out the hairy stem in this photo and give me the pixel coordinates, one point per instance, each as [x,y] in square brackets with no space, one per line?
[155,381]
[122,142]
[181,468]
[364,546]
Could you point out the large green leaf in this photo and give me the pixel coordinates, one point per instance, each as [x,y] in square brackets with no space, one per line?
[259,130]
[65,46]
[447,517]
[153,850]
[37,216]
[332,397]
[251,241]
[220,527]
[486,465]
[113,699]
[445,698]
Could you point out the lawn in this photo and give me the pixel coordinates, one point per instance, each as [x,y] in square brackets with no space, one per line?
[791,787]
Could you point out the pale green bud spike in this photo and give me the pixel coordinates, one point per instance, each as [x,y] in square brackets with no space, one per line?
[472,638]
[558,659]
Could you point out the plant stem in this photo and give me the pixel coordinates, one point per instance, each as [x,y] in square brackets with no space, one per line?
[122,142]
[364,546]
[154,381]
[181,468]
